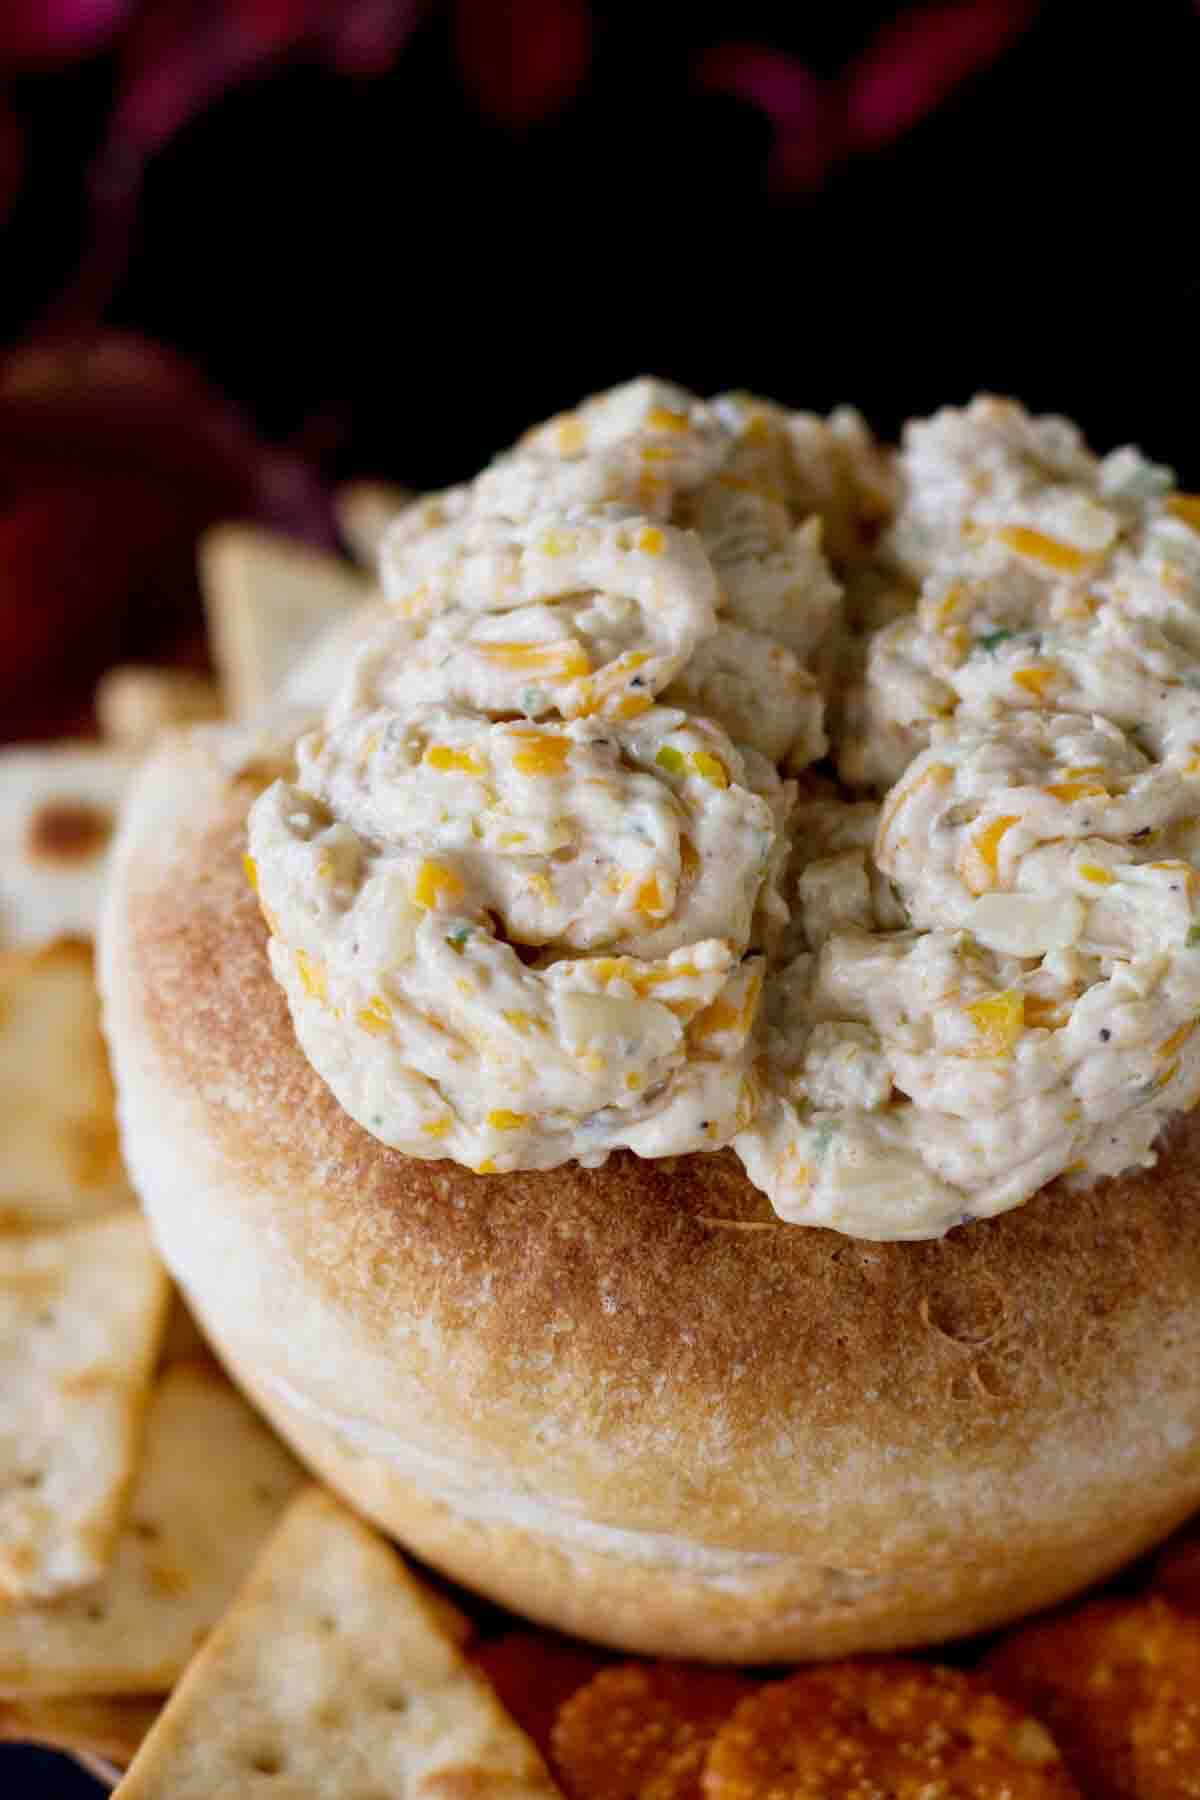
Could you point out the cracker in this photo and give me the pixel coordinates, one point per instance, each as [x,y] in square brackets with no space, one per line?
[81,1315]
[212,1485]
[883,1726]
[332,1677]
[364,511]
[641,1731]
[60,1159]
[135,702]
[58,808]
[88,1725]
[267,599]
[1106,1677]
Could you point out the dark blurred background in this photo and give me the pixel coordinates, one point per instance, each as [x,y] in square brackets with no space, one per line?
[251,247]
[352,236]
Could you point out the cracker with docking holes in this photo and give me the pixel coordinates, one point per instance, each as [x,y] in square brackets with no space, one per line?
[60,1158]
[332,1675]
[213,1482]
[81,1315]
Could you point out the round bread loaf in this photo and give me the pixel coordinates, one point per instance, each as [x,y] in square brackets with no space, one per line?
[629,1401]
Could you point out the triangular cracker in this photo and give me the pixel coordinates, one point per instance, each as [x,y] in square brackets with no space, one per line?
[331,1675]
[268,598]
[364,511]
[58,808]
[60,1157]
[212,1484]
[134,702]
[84,1726]
[81,1315]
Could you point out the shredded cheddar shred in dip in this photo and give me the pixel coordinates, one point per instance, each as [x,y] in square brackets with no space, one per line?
[555,874]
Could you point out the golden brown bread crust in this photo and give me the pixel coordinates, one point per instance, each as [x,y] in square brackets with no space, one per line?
[629,1400]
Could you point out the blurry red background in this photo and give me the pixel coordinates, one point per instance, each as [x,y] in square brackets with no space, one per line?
[251,246]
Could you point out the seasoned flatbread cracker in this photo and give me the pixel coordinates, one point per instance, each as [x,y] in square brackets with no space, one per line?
[267,599]
[92,1726]
[134,702]
[212,1485]
[60,1159]
[81,1315]
[364,511]
[331,1675]
[58,808]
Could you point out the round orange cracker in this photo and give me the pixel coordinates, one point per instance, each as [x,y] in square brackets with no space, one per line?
[1115,1681]
[1166,1739]
[533,1673]
[640,1731]
[866,1730]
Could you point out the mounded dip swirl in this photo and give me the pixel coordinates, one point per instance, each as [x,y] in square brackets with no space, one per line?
[716,776]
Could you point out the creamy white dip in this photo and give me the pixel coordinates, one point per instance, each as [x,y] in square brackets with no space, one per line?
[554,875]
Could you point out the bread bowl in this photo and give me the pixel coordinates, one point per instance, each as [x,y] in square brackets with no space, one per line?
[632,1400]
[597,1395]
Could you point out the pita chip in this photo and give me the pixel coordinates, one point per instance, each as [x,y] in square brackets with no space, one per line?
[135,702]
[212,1484]
[88,1726]
[60,1156]
[81,1314]
[332,1675]
[58,808]
[364,511]
[267,599]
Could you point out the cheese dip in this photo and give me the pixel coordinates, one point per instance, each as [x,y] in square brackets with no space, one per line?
[715,776]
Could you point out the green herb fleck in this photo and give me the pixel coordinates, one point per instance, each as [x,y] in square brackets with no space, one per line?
[458,938]
[1193,937]
[992,639]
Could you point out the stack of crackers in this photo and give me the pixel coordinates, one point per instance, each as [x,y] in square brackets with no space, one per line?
[155,1536]
[178,1601]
